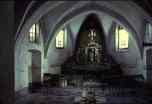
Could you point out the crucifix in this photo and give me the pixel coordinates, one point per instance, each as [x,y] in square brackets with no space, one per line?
[92,34]
[91,51]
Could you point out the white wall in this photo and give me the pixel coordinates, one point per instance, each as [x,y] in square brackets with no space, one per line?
[23,60]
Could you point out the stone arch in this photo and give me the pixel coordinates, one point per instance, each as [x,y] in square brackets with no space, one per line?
[48,6]
[97,9]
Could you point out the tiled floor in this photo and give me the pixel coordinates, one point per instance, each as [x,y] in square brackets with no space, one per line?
[43,97]
[69,96]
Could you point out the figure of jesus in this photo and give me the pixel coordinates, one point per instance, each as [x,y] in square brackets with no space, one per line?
[92,34]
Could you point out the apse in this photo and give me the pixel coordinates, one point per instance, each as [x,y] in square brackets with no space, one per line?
[90,54]
[90,44]
[90,24]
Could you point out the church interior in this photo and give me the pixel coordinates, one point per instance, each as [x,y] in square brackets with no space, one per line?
[83,52]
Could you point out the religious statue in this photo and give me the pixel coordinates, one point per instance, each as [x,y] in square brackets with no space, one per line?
[92,50]
[91,55]
[92,34]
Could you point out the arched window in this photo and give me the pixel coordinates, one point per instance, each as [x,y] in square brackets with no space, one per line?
[60,39]
[34,33]
[148,36]
[121,38]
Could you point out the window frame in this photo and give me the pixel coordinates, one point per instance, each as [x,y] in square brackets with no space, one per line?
[148,36]
[117,45]
[64,39]
[35,31]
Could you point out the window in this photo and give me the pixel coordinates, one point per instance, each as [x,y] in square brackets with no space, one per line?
[121,38]
[34,33]
[149,33]
[60,39]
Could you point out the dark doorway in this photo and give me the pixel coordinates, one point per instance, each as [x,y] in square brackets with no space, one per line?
[35,67]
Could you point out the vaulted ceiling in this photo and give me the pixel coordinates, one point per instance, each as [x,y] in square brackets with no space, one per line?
[21,6]
[51,17]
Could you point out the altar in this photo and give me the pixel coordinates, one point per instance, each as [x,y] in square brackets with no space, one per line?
[90,62]
[92,52]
